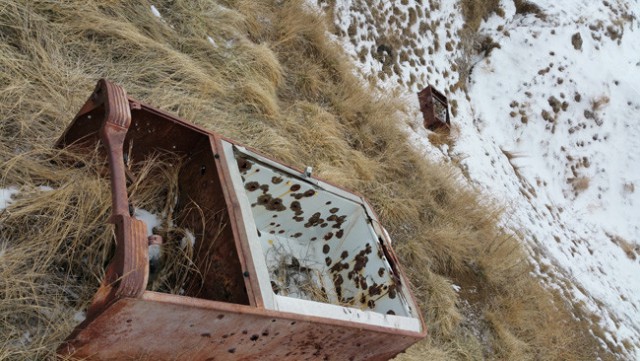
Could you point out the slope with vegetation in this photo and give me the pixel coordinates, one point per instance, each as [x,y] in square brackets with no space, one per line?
[542,98]
[266,74]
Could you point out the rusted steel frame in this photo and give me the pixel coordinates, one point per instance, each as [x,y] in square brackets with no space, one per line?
[127,273]
[83,133]
[209,330]
[123,316]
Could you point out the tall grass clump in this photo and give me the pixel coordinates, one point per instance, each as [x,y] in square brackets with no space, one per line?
[476,11]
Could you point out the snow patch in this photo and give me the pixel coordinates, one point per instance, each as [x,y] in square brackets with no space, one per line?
[212,42]
[79,316]
[189,238]
[150,220]
[6,195]
[155,12]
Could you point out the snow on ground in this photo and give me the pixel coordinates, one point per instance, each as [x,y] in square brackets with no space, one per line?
[576,171]
[5,196]
[156,12]
[151,220]
[550,127]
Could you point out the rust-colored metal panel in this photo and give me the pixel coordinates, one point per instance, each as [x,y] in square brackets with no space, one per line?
[435,108]
[289,267]
[168,327]
[202,208]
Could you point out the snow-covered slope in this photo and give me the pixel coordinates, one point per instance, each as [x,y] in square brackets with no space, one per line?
[550,126]
[573,181]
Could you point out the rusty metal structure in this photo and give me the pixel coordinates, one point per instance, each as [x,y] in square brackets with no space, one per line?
[300,270]
[435,109]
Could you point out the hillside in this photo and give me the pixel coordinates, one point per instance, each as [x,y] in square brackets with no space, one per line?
[500,226]
[545,122]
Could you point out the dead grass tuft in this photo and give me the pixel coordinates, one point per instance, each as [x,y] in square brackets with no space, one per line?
[629,188]
[55,243]
[442,135]
[631,250]
[599,102]
[527,7]
[475,11]
[472,41]
[579,184]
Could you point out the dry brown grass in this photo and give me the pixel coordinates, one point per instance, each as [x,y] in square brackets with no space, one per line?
[275,82]
[46,236]
[443,135]
[532,323]
[599,102]
[471,40]
[527,7]
[475,11]
[630,249]
[579,184]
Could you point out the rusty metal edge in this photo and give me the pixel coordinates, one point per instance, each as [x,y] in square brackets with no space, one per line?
[175,119]
[241,237]
[236,308]
[127,273]
[238,225]
[386,244]
[390,252]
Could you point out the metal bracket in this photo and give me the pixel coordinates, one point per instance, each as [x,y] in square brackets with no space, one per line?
[128,272]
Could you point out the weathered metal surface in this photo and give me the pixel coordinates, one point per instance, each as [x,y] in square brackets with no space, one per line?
[152,131]
[127,273]
[289,267]
[317,244]
[168,327]
[435,108]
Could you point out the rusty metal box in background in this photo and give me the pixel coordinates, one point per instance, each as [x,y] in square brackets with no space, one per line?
[299,270]
[435,108]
